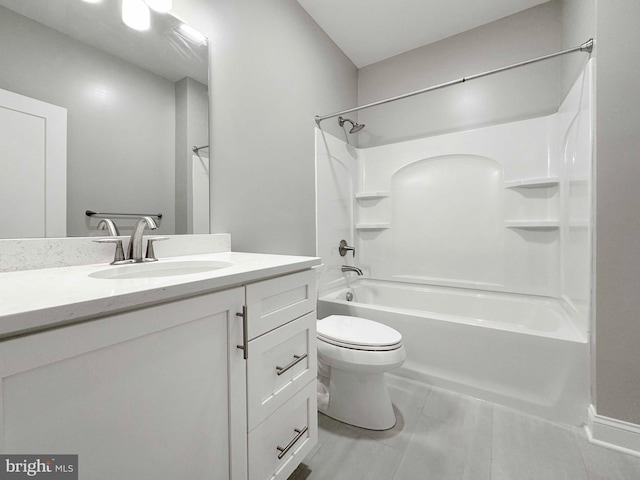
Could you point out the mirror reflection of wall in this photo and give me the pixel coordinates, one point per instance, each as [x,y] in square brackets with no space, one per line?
[192,130]
[130,130]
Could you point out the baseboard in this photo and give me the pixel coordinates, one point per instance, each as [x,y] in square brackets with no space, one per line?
[611,433]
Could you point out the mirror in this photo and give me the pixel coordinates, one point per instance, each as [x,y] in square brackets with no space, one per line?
[136,105]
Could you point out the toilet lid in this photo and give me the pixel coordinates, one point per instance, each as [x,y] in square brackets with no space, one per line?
[357,332]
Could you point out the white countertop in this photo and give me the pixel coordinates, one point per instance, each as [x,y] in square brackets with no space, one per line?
[33,300]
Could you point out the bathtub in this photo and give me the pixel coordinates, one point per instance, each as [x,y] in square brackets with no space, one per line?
[516,350]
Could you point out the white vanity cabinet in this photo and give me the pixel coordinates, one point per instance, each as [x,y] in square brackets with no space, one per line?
[164,392]
[274,406]
[141,394]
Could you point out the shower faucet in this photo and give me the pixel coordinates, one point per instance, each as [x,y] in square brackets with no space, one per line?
[343,248]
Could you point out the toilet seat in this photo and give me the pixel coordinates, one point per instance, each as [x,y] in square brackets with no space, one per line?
[358,333]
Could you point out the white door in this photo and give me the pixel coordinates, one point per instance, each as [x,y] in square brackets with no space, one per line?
[33,166]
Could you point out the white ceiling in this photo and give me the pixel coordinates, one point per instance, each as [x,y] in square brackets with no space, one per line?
[368,31]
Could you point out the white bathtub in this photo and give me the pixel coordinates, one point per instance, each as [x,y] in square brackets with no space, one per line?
[516,350]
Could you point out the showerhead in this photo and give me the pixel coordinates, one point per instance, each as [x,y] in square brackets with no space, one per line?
[356,127]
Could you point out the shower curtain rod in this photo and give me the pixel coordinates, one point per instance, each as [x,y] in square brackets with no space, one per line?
[197,149]
[585,47]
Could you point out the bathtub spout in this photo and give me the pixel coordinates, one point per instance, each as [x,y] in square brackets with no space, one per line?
[349,268]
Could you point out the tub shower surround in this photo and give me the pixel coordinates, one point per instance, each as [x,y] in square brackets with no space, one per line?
[501,213]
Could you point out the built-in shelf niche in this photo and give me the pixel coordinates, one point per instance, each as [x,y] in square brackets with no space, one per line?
[533,224]
[541,199]
[543,182]
[373,210]
[372,226]
[371,195]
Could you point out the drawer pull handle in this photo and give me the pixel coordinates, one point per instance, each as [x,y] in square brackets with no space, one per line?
[245,334]
[300,433]
[296,359]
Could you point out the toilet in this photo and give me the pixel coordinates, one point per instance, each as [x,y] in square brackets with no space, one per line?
[353,354]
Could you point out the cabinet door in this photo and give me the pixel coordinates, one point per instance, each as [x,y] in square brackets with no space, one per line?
[138,395]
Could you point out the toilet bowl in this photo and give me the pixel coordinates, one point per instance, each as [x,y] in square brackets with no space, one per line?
[353,354]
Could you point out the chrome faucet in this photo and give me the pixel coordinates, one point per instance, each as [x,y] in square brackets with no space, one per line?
[349,268]
[109,225]
[136,240]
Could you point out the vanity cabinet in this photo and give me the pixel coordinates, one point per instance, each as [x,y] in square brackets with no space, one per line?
[164,391]
[141,394]
[273,392]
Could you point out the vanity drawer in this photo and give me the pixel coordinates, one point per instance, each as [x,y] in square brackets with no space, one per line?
[281,363]
[290,433]
[277,301]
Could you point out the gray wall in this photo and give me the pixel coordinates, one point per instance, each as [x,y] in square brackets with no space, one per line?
[192,129]
[272,70]
[617,210]
[120,120]
[522,93]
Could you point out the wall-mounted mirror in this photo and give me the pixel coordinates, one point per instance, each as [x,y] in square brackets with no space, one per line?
[136,105]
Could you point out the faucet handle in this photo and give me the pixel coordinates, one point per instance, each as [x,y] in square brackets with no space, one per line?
[119,254]
[344,248]
[150,255]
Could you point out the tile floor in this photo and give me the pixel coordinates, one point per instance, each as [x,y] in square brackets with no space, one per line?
[441,436]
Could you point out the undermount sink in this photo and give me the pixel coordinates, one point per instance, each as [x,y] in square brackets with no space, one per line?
[159,269]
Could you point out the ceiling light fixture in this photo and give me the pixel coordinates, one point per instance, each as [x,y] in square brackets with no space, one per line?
[93,1]
[136,14]
[162,6]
